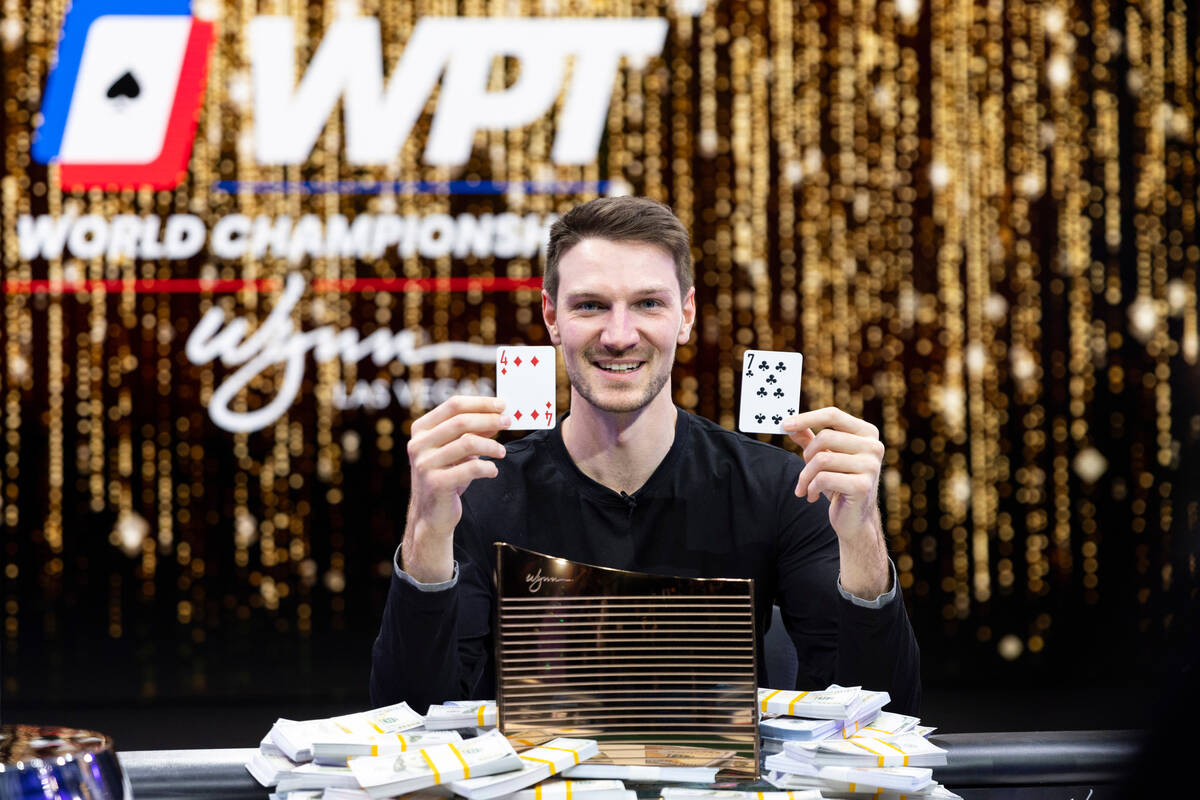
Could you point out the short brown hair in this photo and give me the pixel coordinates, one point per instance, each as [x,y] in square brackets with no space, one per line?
[620,219]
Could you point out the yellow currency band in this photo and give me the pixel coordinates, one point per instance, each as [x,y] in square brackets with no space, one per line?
[897,749]
[869,750]
[481,716]
[377,728]
[568,790]
[545,761]
[574,753]
[852,788]
[374,749]
[537,792]
[760,796]
[403,742]
[463,761]
[796,699]
[767,698]
[436,775]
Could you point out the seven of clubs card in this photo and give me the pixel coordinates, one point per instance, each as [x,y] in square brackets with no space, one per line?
[770,390]
[525,382]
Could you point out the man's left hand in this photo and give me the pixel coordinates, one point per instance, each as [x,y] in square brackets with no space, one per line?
[843,458]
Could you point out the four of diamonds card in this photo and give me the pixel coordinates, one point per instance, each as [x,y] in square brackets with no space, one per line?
[525,382]
[770,390]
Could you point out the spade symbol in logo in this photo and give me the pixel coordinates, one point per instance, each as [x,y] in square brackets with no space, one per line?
[125,86]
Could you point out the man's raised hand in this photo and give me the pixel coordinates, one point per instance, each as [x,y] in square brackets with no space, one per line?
[842,461]
[444,454]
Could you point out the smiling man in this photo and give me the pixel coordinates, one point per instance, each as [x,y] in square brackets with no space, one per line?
[630,481]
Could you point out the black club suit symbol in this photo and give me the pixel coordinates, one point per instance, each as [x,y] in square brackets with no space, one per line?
[779,392]
[762,391]
[772,379]
[776,418]
[759,418]
[782,367]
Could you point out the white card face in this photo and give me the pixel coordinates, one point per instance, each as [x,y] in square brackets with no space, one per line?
[770,390]
[525,382]
[123,94]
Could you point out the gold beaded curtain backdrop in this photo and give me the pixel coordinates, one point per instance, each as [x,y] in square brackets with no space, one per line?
[977,220]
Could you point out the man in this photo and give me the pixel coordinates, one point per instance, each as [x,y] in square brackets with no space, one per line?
[629,481]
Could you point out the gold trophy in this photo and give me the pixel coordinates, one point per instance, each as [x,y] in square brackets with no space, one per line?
[661,670]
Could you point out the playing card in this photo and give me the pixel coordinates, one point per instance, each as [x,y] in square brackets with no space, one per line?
[770,390]
[123,95]
[525,382]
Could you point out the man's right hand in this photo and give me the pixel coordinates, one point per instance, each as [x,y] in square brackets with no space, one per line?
[444,454]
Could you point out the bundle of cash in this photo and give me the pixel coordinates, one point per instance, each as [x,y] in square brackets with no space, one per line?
[436,793]
[653,764]
[315,776]
[797,729]
[870,704]
[903,750]
[640,774]
[885,725]
[835,702]
[344,794]
[673,793]
[560,789]
[539,763]
[295,737]
[899,779]
[387,776]
[831,787]
[333,749]
[268,768]
[457,715]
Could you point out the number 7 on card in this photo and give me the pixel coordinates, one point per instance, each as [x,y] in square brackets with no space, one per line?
[525,381]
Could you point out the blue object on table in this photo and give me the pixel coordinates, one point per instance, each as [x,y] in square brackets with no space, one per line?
[51,763]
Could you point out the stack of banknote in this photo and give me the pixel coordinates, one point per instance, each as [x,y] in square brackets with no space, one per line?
[390,751]
[839,741]
[836,742]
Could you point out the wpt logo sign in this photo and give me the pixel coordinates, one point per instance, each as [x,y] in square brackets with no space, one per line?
[123,98]
[378,120]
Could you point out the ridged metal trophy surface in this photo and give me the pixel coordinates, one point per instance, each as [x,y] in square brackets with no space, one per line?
[661,670]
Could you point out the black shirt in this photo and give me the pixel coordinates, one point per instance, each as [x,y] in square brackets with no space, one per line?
[719,505]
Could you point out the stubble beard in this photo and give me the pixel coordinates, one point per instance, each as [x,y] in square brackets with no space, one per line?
[616,403]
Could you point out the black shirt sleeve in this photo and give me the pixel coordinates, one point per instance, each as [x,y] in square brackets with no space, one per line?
[436,646]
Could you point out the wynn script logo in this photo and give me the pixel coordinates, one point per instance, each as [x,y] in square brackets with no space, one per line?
[276,341]
[536,580]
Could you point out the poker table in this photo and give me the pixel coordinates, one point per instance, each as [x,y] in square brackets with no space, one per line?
[1084,765]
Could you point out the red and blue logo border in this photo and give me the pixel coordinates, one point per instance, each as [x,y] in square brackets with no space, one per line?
[169,168]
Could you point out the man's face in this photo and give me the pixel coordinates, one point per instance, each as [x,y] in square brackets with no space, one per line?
[618,317]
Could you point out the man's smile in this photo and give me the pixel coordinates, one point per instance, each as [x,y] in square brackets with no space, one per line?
[619,367]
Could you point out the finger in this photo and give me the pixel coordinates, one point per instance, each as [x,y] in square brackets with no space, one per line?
[459,404]
[801,437]
[456,426]
[469,445]
[831,417]
[458,478]
[829,461]
[840,442]
[855,486]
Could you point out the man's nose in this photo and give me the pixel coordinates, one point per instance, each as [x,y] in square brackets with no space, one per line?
[620,331]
